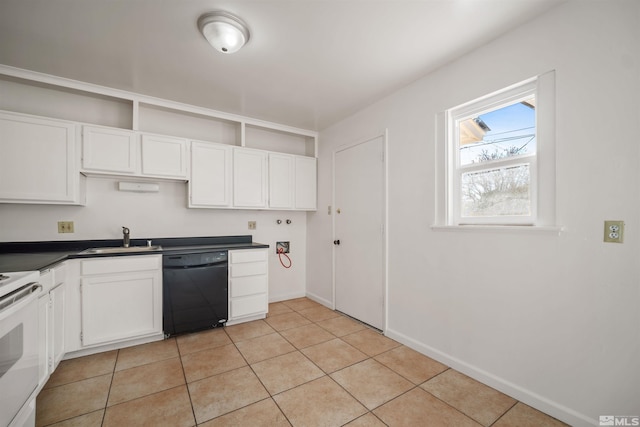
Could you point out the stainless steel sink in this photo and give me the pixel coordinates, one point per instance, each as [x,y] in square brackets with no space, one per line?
[122,249]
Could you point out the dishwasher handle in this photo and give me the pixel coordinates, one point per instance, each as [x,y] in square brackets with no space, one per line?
[18,295]
[190,267]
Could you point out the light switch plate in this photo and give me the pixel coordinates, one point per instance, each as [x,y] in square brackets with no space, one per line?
[613,231]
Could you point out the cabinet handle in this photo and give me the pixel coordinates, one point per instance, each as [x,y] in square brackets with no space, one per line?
[336,242]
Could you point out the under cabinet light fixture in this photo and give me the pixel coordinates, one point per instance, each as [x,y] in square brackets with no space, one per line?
[138,187]
[225,32]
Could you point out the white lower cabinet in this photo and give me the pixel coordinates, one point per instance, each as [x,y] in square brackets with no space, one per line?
[56,324]
[248,284]
[51,321]
[43,333]
[56,327]
[115,299]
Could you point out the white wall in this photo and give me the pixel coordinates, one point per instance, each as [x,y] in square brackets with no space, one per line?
[553,320]
[162,214]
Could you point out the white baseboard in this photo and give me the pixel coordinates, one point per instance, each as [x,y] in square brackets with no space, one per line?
[325,302]
[113,346]
[284,297]
[528,397]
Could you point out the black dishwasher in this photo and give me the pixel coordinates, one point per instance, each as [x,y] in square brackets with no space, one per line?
[195,292]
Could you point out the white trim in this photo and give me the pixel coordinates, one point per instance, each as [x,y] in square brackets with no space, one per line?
[286,296]
[495,100]
[385,212]
[135,119]
[320,300]
[139,98]
[517,392]
[499,228]
[543,173]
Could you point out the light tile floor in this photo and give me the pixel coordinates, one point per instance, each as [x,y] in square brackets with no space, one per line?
[304,365]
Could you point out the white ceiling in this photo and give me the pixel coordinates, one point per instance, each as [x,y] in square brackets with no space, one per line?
[308,63]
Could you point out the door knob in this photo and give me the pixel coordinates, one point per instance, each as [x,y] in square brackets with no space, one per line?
[336,242]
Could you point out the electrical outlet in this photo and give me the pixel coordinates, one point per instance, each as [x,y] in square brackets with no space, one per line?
[252,225]
[65,226]
[282,247]
[613,231]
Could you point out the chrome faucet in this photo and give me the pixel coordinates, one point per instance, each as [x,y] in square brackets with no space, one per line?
[125,237]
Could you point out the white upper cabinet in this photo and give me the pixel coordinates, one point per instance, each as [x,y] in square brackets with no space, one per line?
[164,156]
[249,178]
[281,181]
[260,179]
[305,183]
[292,182]
[123,152]
[108,150]
[210,180]
[39,163]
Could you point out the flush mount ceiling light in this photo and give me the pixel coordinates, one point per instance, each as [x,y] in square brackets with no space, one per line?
[225,32]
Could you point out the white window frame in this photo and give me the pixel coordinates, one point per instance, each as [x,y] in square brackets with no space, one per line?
[541,164]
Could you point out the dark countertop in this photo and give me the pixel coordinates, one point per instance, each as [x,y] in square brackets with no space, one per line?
[32,256]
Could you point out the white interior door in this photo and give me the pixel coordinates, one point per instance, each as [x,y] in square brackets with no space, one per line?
[358,231]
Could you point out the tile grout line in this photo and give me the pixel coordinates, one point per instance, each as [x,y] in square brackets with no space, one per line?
[186,384]
[106,402]
[505,413]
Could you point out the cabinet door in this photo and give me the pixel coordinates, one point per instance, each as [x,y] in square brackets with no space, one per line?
[210,183]
[43,339]
[249,178]
[116,307]
[38,160]
[281,172]
[164,156]
[305,183]
[107,150]
[56,325]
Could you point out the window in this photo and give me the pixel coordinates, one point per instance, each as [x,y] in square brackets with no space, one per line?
[496,148]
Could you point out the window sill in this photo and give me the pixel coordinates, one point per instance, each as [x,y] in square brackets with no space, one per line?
[500,229]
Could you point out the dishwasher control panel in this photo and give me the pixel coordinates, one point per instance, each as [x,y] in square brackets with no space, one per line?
[194,259]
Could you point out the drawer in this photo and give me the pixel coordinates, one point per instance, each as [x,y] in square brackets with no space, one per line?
[248,285]
[248,256]
[121,264]
[246,306]
[248,269]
